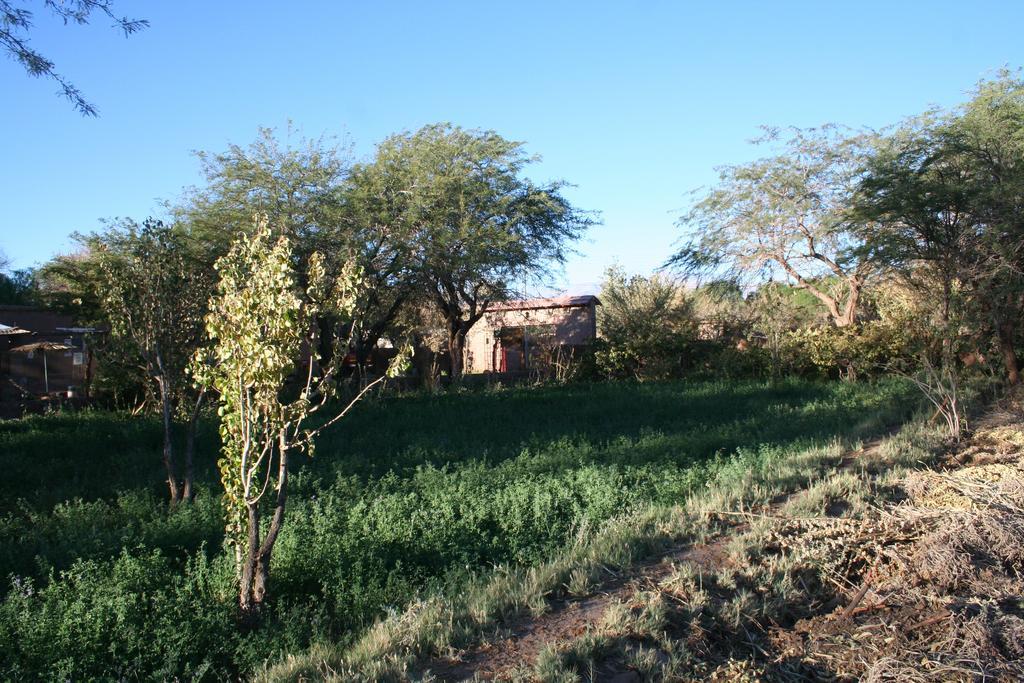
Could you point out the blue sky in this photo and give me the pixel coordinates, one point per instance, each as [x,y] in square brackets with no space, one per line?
[633,103]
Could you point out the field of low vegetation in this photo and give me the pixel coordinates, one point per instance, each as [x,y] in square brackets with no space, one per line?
[901,561]
[414,495]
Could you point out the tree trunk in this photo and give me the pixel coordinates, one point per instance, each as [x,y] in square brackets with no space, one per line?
[168,451]
[246,602]
[87,385]
[848,316]
[456,347]
[190,447]
[425,360]
[256,564]
[1007,348]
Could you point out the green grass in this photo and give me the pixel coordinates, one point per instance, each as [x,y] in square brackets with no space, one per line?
[413,496]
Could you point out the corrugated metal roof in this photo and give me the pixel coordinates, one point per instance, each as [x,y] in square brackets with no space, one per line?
[549,302]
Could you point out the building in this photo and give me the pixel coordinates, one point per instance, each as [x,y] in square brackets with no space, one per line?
[27,369]
[520,336]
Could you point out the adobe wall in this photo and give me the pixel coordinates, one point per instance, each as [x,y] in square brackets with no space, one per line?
[572,326]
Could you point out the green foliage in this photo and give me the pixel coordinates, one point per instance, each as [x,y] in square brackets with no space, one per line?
[780,330]
[407,496]
[785,215]
[18,287]
[296,185]
[154,293]
[118,609]
[940,206]
[890,339]
[258,324]
[479,226]
[482,222]
[148,285]
[646,325]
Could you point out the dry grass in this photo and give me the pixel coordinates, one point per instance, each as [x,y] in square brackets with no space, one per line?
[920,577]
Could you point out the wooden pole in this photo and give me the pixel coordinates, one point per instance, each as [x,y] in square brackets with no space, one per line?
[46,374]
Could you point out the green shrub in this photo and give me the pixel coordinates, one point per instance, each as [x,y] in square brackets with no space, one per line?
[646,325]
[131,617]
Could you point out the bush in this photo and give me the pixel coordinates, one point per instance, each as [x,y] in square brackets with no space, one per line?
[130,618]
[894,333]
[646,325]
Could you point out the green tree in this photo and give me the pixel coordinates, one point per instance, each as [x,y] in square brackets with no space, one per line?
[17,287]
[310,193]
[260,322]
[477,225]
[915,203]
[16,23]
[295,184]
[786,215]
[988,136]
[377,220]
[155,295]
[945,199]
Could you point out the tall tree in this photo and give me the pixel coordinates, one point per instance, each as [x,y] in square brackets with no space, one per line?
[478,226]
[294,181]
[16,23]
[988,137]
[914,203]
[945,193]
[155,295]
[377,228]
[785,214]
[310,194]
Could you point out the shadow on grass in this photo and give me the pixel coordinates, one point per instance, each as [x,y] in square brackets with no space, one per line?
[692,421]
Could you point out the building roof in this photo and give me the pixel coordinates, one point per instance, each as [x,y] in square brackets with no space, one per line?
[42,346]
[7,329]
[549,302]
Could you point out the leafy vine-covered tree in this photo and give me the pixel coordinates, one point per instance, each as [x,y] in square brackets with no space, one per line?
[785,214]
[310,193]
[261,324]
